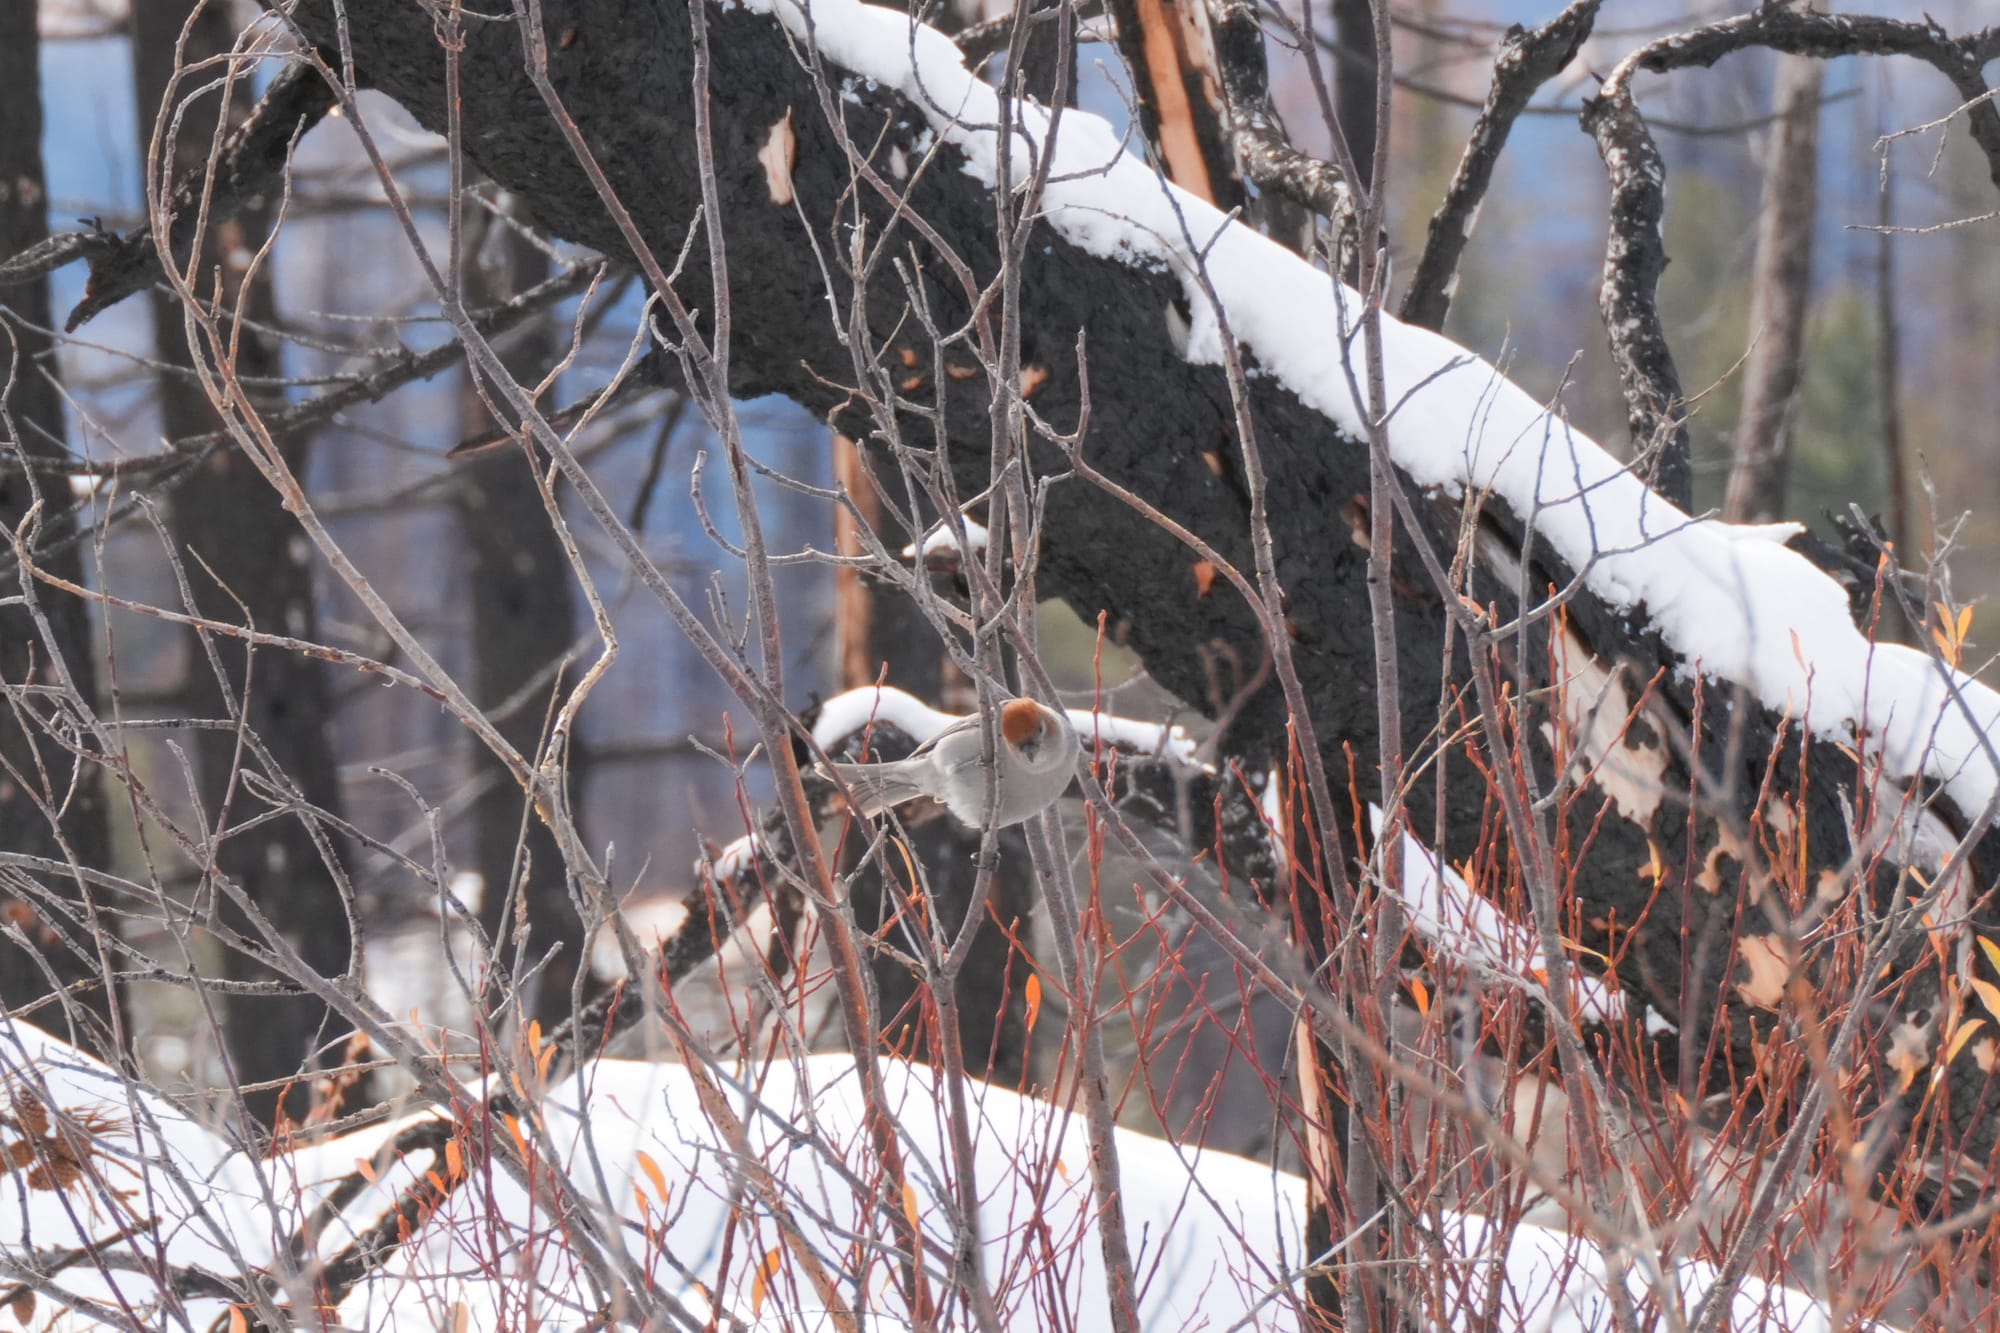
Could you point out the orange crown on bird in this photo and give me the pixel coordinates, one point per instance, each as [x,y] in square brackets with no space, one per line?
[1020,720]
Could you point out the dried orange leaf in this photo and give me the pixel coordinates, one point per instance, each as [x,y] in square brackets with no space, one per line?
[1988,993]
[1033,992]
[1959,1038]
[1991,950]
[654,1174]
[760,1284]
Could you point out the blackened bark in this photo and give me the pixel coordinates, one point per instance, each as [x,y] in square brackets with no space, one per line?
[1807,32]
[1635,255]
[1658,892]
[523,623]
[1262,149]
[1048,58]
[258,571]
[50,805]
[249,176]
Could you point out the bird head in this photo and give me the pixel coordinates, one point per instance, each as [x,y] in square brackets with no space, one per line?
[1024,724]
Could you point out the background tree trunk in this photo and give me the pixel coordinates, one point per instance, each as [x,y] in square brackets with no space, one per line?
[258,571]
[1170,61]
[1354,82]
[50,806]
[523,623]
[1780,290]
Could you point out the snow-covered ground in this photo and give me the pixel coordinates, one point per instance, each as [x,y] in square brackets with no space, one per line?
[121,1211]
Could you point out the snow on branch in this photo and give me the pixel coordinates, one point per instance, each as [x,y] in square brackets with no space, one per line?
[939,551]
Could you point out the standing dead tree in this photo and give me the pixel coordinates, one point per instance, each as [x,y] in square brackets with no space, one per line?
[51,803]
[1779,288]
[247,561]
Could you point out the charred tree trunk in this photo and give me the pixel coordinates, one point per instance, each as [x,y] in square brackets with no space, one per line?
[523,625]
[51,802]
[254,568]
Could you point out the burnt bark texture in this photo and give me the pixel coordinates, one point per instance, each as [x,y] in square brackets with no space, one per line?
[1042,51]
[250,565]
[1663,893]
[1635,255]
[1263,151]
[523,608]
[1962,60]
[1355,82]
[51,802]
[1780,290]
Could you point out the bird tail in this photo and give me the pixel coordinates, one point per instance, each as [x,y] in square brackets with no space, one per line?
[876,788]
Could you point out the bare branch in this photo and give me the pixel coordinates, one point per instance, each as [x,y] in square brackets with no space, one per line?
[1528,59]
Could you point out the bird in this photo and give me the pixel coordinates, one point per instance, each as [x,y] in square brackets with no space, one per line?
[1035,758]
